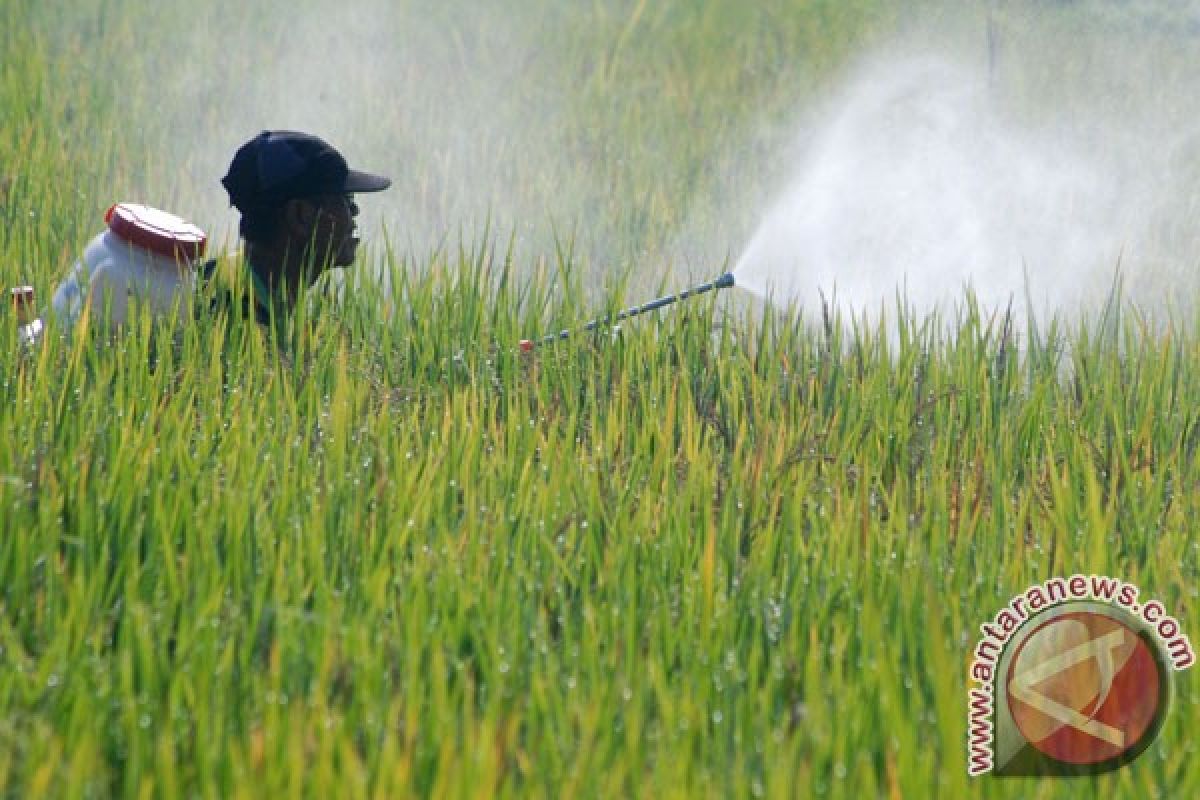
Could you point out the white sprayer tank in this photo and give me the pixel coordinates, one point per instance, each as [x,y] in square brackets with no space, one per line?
[146,256]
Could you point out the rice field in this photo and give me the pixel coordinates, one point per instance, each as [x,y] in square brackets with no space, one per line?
[723,551]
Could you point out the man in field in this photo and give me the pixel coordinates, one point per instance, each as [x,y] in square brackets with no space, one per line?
[295,193]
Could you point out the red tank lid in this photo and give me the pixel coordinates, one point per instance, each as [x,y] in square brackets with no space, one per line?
[157,231]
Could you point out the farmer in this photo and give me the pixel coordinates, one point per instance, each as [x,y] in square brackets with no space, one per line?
[295,193]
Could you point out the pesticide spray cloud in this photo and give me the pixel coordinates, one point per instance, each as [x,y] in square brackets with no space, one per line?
[929,175]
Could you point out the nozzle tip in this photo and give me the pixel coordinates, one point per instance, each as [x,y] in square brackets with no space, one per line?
[725,281]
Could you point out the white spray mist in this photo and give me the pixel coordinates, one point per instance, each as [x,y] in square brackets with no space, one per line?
[923,178]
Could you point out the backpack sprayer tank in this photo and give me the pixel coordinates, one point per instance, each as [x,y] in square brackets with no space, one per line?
[723,282]
[145,256]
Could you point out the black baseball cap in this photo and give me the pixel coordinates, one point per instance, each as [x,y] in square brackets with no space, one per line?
[278,165]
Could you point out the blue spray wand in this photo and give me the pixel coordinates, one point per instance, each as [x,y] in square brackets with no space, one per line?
[723,282]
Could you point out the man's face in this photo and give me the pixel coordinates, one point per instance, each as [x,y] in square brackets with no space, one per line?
[334,234]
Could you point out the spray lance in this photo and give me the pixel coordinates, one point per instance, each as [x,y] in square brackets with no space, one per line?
[723,282]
